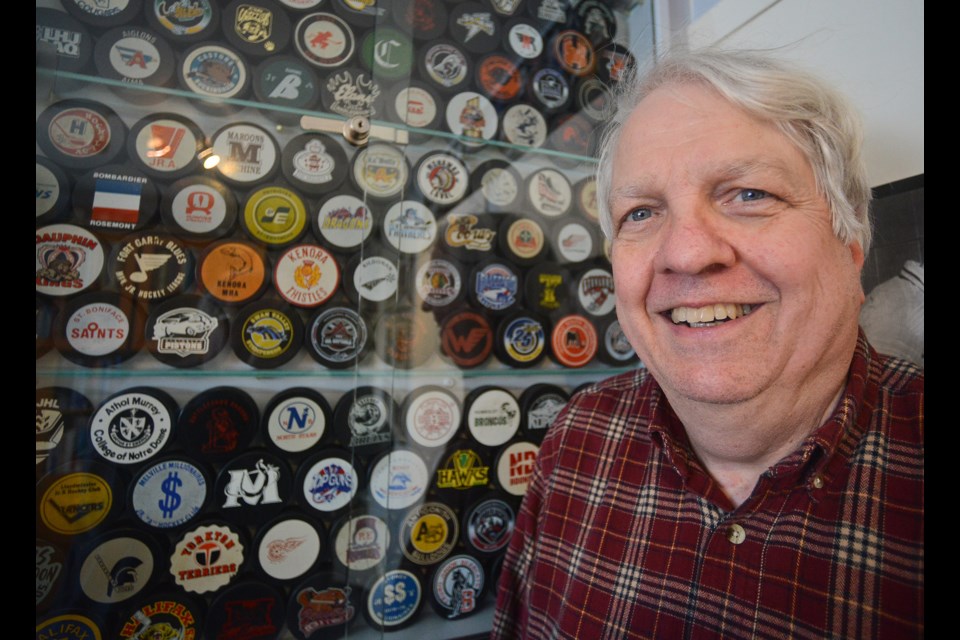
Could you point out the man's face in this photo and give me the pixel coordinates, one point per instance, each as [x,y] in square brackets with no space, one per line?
[716,214]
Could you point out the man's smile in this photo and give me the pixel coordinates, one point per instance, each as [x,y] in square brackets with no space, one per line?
[711,314]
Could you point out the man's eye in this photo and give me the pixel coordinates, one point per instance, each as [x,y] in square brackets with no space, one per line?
[748,195]
[639,214]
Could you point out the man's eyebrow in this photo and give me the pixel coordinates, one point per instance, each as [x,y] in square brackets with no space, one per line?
[641,186]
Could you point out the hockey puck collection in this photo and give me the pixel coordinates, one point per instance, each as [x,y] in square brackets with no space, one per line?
[308,512]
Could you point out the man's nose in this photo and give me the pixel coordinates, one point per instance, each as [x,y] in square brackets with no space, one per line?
[693,240]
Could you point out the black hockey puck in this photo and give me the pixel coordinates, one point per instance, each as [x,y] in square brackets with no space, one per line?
[69,259]
[249,154]
[198,208]
[151,267]
[233,271]
[80,134]
[253,487]
[314,163]
[338,337]
[187,331]
[100,329]
[306,275]
[166,145]
[522,339]
[256,28]
[115,199]
[267,333]
[138,57]
[218,424]
[53,191]
[296,421]
[466,338]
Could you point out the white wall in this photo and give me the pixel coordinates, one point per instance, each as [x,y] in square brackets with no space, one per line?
[870,49]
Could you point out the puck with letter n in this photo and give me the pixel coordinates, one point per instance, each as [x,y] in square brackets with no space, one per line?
[184,24]
[248,609]
[249,155]
[573,341]
[80,134]
[492,415]
[77,497]
[296,421]
[69,259]
[115,199]
[306,275]
[393,600]
[285,85]
[500,183]
[458,586]
[466,338]
[62,416]
[515,466]
[233,271]
[328,481]
[253,487]
[487,525]
[324,605]
[595,291]
[208,558]
[440,285]
[217,424]
[548,288]
[134,425]
[274,215]
[288,547]
[360,540]
[267,333]
[337,337]
[540,405]
[363,420]
[216,75]
[324,40]
[522,339]
[431,416]
[116,566]
[103,14]
[405,337]
[494,286]
[257,28]
[428,533]
[166,145]
[198,208]
[53,191]
[151,266]
[138,57]
[173,612]
[100,329]
[343,222]
[314,163]
[169,493]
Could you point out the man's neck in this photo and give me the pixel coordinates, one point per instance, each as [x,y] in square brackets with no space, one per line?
[737,443]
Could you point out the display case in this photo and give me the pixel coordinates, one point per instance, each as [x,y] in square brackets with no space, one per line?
[313,279]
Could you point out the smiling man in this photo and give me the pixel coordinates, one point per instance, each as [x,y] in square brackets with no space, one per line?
[763,476]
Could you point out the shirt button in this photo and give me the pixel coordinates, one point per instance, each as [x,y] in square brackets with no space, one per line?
[817,482]
[736,534]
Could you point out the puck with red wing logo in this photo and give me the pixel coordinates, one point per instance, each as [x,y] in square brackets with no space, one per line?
[466,338]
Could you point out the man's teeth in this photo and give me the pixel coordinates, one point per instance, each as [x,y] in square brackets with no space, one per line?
[698,316]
